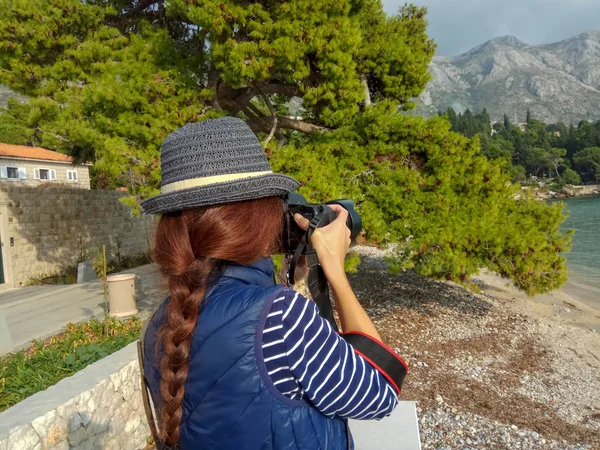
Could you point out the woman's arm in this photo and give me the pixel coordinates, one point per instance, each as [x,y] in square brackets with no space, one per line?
[352,315]
[306,358]
[331,243]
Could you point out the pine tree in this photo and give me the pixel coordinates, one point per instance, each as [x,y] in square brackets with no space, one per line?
[109,80]
[587,161]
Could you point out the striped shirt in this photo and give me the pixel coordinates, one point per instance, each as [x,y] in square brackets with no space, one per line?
[306,358]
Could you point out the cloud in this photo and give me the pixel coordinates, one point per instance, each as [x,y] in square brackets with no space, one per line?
[459,25]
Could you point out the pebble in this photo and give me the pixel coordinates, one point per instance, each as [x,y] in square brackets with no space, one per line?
[450,314]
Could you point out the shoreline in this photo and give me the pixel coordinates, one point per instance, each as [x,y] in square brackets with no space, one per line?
[569,191]
[561,305]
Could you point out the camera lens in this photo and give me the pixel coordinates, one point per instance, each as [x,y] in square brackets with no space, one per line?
[354,221]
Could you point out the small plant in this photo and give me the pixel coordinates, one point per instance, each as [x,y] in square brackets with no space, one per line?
[65,276]
[45,363]
[101,268]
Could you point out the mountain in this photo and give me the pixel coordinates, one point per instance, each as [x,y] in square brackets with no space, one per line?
[557,82]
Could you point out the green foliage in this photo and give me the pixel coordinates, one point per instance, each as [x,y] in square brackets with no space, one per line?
[352,262]
[108,80]
[418,184]
[588,162]
[45,363]
[397,71]
[569,176]
[97,94]
[541,150]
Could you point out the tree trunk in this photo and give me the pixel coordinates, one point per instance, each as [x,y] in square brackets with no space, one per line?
[365,83]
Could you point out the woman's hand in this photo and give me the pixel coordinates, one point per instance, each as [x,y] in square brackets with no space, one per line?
[331,242]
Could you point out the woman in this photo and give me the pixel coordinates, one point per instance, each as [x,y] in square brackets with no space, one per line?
[233,360]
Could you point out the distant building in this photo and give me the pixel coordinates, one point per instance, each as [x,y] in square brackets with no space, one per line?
[33,166]
[523,126]
[557,133]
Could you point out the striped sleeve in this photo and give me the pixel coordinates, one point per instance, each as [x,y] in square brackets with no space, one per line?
[306,358]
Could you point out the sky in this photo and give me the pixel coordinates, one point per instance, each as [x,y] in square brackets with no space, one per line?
[459,25]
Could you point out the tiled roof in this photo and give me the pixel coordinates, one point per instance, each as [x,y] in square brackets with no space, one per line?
[22,151]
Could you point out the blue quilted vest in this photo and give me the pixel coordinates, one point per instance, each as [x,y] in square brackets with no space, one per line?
[230,401]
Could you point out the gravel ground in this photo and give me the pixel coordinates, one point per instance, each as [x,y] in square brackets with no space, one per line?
[484,375]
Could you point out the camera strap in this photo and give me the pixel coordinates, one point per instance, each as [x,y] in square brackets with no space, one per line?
[317,282]
[379,355]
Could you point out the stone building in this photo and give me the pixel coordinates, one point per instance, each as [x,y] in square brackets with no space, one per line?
[34,166]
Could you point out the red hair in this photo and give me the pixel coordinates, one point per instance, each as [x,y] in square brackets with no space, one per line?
[190,246]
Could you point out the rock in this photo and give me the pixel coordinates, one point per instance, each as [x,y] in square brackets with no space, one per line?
[86,404]
[52,429]
[64,445]
[568,191]
[69,413]
[24,438]
[94,443]
[439,399]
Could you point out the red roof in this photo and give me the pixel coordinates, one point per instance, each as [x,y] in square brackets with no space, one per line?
[22,151]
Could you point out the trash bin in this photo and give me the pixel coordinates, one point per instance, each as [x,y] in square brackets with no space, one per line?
[121,295]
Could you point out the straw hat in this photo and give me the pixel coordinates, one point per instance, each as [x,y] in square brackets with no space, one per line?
[213,162]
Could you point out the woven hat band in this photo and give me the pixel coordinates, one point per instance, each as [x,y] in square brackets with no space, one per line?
[205,181]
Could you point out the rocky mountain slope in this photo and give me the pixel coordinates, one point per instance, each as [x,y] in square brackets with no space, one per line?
[557,82]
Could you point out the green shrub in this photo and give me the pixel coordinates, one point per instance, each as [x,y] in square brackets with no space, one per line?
[569,176]
[45,363]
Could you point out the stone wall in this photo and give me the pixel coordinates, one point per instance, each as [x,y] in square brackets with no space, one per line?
[49,229]
[99,407]
[83,173]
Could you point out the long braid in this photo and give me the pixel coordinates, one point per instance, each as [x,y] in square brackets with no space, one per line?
[187,278]
[190,247]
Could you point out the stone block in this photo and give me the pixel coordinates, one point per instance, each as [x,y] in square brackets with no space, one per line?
[99,422]
[86,404]
[133,422]
[118,419]
[69,413]
[85,272]
[79,435]
[103,393]
[63,445]
[24,438]
[51,429]
[115,379]
[94,443]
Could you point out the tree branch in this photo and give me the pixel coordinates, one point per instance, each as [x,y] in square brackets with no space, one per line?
[273,114]
[364,81]
[263,124]
[213,83]
[242,97]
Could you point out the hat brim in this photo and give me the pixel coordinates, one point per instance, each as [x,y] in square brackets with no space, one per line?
[270,185]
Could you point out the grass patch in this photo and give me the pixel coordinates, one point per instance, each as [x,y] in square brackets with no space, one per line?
[45,363]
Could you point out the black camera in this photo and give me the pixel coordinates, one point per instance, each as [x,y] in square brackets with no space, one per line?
[295,203]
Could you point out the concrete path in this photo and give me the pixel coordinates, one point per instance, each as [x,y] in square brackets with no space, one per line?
[36,312]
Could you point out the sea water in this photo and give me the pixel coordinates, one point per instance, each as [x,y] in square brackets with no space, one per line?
[584,259]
